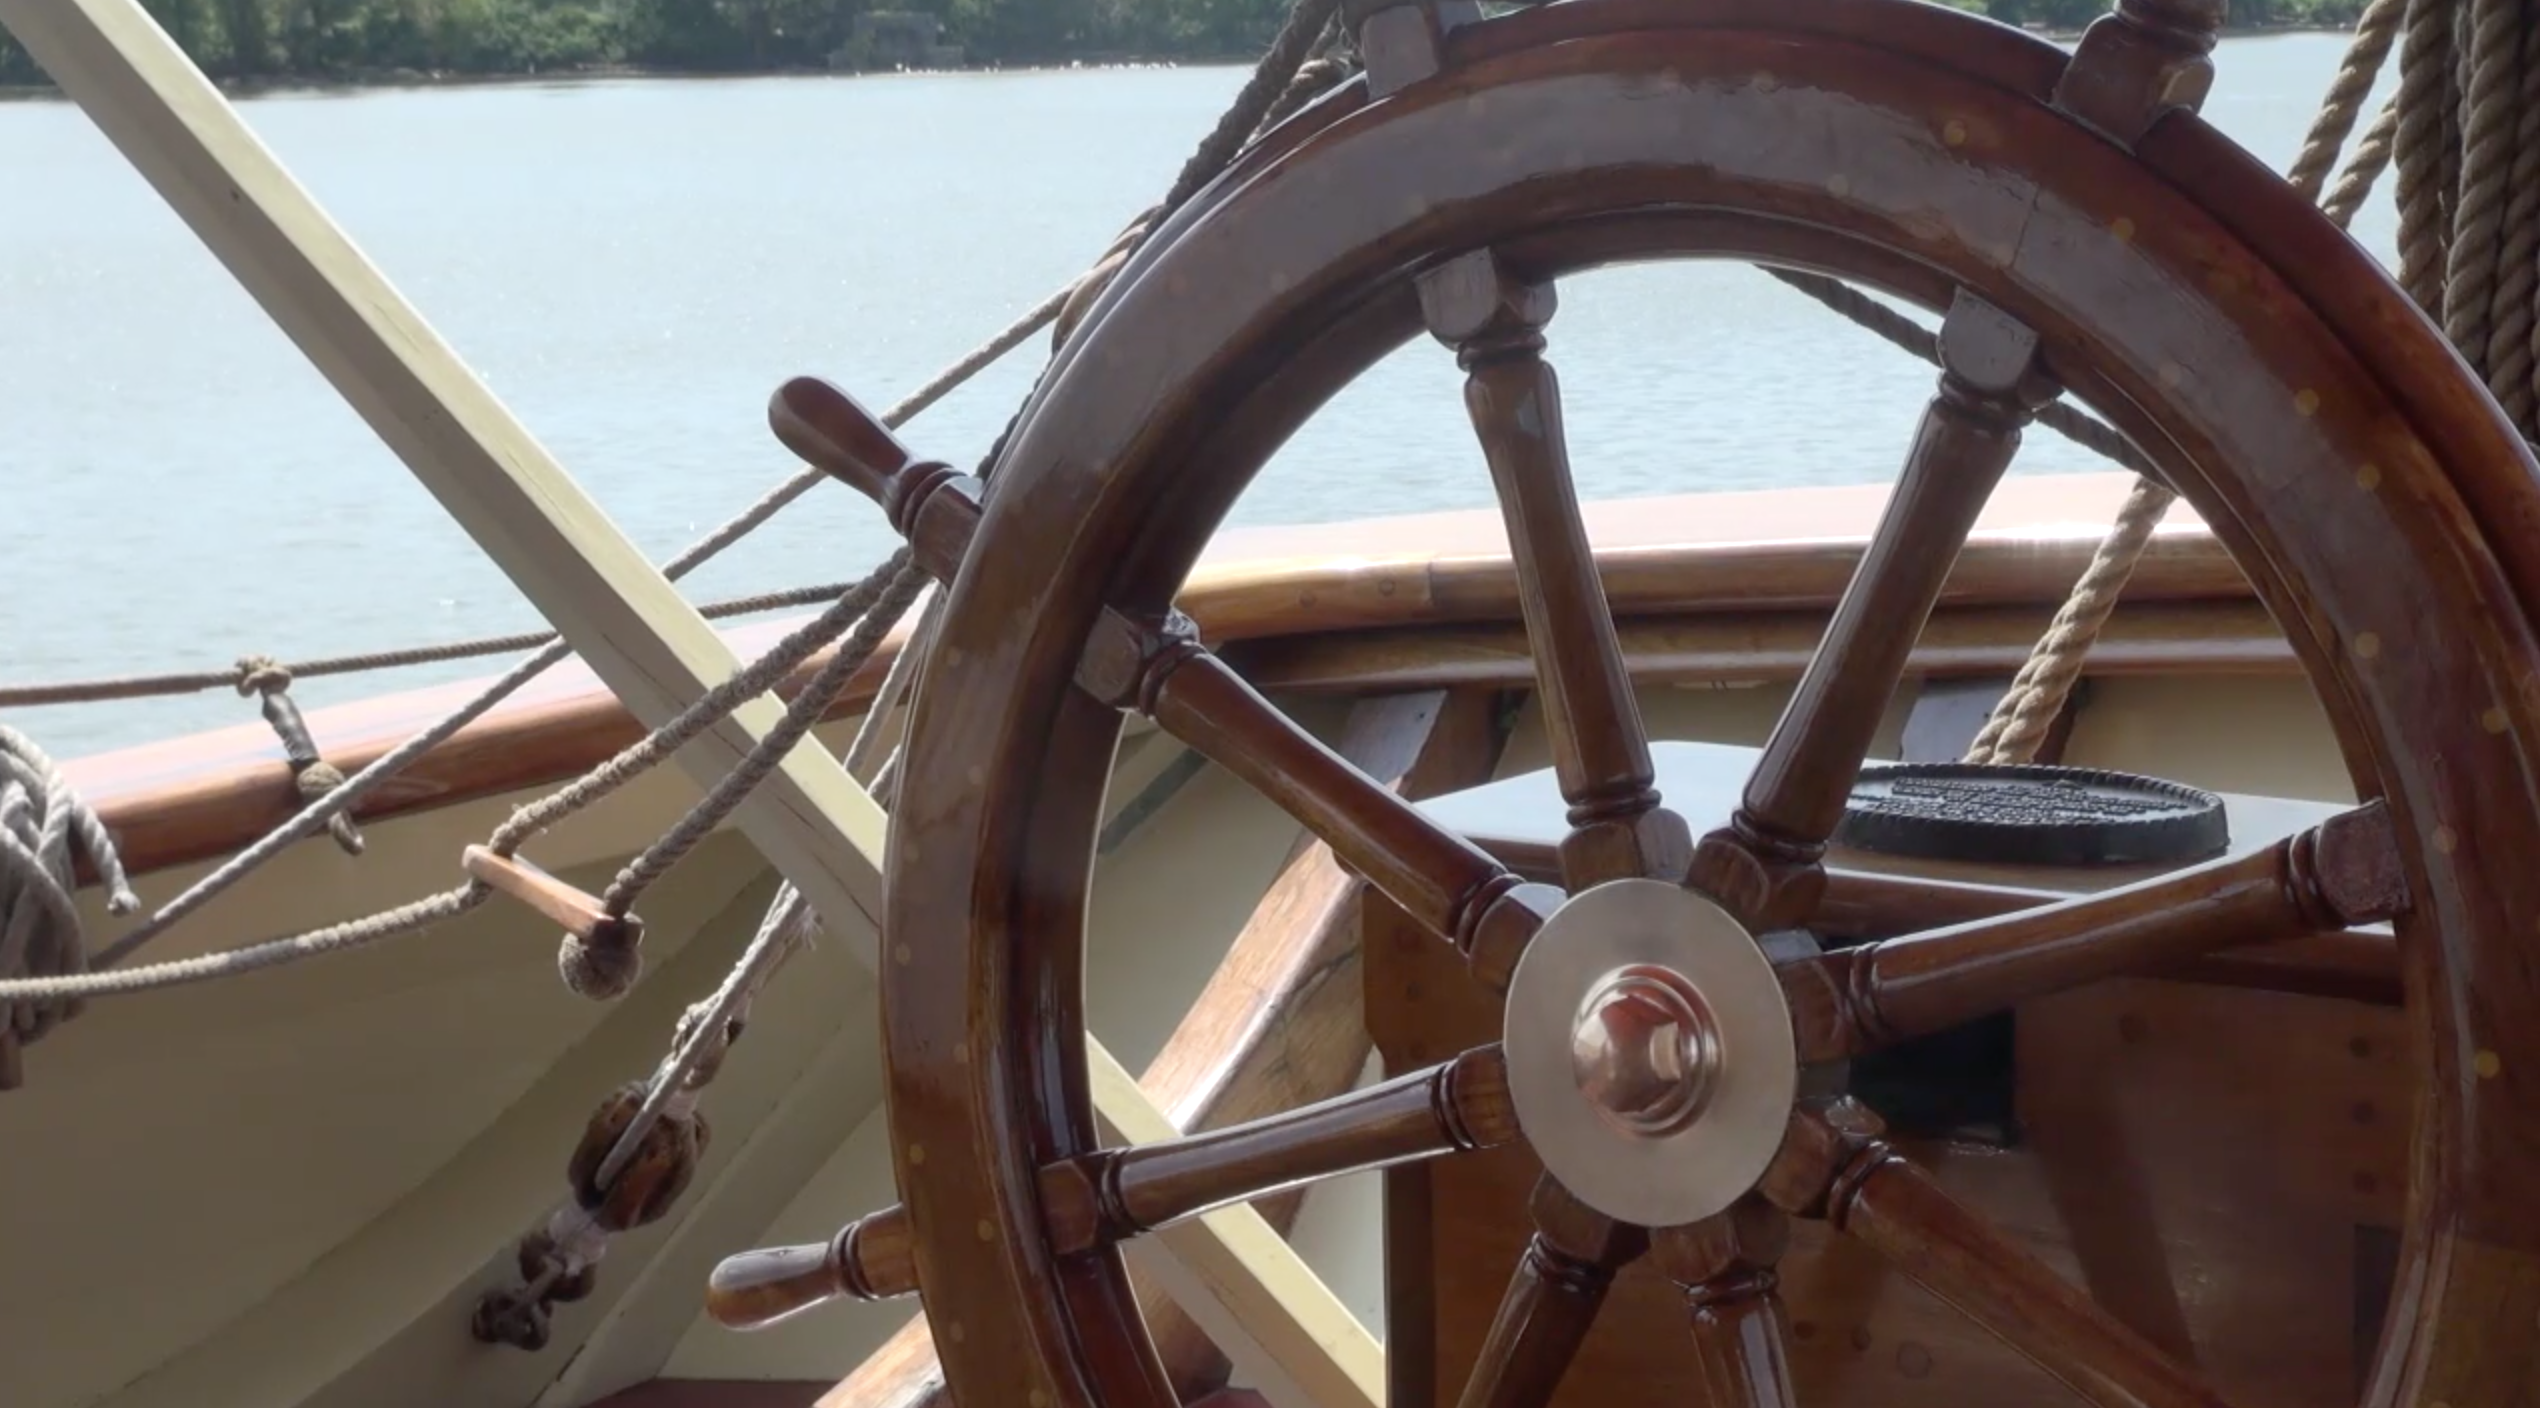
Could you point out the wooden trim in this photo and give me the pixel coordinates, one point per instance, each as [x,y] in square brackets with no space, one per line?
[1340,606]
[196,798]
[2154,638]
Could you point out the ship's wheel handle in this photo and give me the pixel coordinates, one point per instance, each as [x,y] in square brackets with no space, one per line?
[933,505]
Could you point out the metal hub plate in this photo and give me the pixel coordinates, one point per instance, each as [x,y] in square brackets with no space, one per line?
[1691,1172]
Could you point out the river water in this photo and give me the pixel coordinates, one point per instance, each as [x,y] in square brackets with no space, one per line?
[633,266]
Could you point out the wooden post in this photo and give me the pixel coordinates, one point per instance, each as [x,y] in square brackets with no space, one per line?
[617,610]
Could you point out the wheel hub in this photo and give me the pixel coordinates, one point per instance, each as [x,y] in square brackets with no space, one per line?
[1646,1050]
[1650,1054]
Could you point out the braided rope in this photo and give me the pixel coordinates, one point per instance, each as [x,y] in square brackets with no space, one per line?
[2425,61]
[2491,73]
[2364,168]
[2375,32]
[44,828]
[2019,724]
[631,762]
[2513,371]
[879,602]
[2027,710]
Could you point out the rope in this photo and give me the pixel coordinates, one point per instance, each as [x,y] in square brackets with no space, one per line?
[1282,83]
[43,827]
[2425,60]
[1886,322]
[879,601]
[97,691]
[1272,77]
[2515,312]
[2027,710]
[2363,170]
[707,710]
[2521,252]
[2491,73]
[2019,723]
[314,775]
[2375,32]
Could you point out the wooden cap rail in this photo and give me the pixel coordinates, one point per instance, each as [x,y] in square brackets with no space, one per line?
[1369,604]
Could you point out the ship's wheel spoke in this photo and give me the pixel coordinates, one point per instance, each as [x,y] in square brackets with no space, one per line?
[1600,749]
[1115,1194]
[1160,669]
[1726,1266]
[1764,865]
[1551,1301]
[2338,874]
[1436,876]
[1834,1165]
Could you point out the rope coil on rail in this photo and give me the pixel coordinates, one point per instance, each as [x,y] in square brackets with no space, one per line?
[44,828]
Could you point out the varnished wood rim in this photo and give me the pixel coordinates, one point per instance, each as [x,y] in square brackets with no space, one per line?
[974,1055]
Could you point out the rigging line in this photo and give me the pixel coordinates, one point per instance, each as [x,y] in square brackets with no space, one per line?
[2026,713]
[319,813]
[647,752]
[739,526]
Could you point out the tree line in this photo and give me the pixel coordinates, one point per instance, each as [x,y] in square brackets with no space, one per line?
[319,40]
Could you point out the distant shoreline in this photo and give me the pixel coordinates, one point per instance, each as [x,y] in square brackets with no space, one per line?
[387,80]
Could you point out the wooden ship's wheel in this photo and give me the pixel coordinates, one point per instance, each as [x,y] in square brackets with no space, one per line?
[1671,1033]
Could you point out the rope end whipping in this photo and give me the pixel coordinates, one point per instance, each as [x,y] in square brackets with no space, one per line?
[263,676]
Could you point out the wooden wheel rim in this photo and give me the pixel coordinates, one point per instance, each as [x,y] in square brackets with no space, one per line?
[2324,420]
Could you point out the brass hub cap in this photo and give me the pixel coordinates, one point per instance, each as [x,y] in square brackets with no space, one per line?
[1646,1050]
[1650,1055]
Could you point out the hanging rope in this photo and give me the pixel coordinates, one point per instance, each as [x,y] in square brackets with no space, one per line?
[2019,723]
[2513,367]
[877,604]
[2343,103]
[2026,713]
[2425,65]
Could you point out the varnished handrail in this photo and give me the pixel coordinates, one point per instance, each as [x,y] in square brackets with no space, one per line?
[1718,558]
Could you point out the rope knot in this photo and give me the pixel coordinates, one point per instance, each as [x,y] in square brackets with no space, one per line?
[605,966]
[262,674]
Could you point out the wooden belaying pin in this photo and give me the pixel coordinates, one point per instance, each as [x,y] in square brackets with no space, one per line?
[602,953]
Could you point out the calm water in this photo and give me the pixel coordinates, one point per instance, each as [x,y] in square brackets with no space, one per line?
[634,266]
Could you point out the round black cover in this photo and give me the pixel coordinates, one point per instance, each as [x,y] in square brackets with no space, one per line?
[2030,816]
